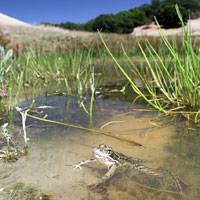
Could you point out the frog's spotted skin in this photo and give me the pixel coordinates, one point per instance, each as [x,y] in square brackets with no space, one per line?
[108,157]
[102,153]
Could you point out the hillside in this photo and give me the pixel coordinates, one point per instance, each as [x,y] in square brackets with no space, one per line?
[146,30]
[21,36]
[9,21]
[10,24]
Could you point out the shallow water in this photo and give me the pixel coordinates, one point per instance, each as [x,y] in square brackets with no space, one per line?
[168,145]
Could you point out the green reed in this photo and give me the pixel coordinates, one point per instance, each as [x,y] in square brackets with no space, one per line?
[5,65]
[92,88]
[76,67]
[20,84]
[167,88]
[72,67]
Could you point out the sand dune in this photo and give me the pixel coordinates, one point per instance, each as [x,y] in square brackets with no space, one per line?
[6,20]
[22,37]
[152,30]
[11,26]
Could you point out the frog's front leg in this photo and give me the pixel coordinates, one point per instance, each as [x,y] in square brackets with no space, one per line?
[105,178]
[78,165]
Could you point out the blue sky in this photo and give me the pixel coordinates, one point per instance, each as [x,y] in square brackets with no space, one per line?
[78,11]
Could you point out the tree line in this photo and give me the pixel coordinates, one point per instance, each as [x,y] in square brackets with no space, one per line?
[126,21]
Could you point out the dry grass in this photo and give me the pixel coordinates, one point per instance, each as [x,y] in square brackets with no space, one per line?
[23,39]
[37,38]
[26,38]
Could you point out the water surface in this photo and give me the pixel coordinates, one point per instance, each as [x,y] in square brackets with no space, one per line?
[168,145]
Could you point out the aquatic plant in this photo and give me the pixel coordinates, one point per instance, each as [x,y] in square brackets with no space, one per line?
[174,87]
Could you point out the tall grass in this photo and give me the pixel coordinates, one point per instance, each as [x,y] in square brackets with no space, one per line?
[168,64]
[73,67]
[171,87]
[5,65]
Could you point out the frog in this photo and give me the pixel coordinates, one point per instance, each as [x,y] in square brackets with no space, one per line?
[118,162]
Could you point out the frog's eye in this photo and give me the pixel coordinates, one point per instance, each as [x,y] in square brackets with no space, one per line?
[102,146]
[109,149]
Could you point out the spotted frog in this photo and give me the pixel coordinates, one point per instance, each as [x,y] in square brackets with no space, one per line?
[115,161]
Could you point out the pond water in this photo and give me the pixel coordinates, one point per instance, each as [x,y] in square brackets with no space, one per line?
[168,144]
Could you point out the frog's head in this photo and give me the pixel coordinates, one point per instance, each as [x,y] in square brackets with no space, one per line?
[103,154]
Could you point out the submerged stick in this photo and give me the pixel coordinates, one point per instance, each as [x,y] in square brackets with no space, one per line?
[88,129]
[112,122]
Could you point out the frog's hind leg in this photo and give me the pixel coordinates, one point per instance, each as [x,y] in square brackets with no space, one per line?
[105,178]
[178,183]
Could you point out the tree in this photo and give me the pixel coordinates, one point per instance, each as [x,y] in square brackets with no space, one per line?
[167,15]
[139,16]
[106,23]
[71,26]
[147,9]
[89,25]
[192,5]
[127,20]
[155,3]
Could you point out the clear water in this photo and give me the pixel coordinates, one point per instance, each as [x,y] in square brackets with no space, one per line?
[168,145]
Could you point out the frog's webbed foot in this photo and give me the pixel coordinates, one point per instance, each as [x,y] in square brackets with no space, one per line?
[78,165]
[105,178]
